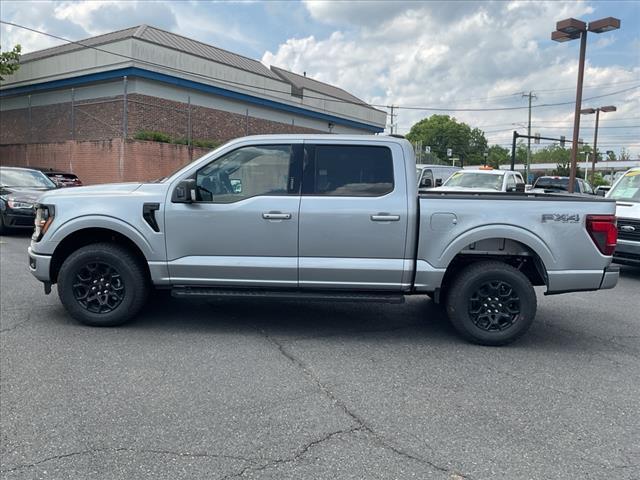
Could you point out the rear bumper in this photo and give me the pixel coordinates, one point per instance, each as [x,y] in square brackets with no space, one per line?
[564,281]
[39,266]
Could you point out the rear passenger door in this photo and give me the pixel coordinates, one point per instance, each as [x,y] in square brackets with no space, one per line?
[353,217]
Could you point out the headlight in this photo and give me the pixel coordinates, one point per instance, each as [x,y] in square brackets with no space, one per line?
[44,218]
[18,205]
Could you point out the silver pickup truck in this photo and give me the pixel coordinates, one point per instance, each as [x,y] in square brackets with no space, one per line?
[319,217]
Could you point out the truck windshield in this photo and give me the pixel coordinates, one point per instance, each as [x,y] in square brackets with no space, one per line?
[475,180]
[628,188]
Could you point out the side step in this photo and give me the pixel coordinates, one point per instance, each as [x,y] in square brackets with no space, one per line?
[331,296]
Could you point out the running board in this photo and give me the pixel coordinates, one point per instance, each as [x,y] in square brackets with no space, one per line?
[332,296]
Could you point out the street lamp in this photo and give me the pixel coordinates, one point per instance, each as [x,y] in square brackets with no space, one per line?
[572,29]
[589,111]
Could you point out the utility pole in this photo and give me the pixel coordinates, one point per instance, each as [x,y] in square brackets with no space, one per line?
[392,123]
[531,96]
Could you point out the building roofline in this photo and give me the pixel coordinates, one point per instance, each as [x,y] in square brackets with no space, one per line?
[191,84]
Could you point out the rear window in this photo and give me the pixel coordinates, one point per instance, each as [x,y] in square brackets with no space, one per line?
[349,171]
[554,183]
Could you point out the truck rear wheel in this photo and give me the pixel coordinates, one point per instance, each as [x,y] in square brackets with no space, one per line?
[491,303]
[102,285]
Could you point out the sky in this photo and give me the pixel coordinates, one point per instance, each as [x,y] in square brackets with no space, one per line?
[453,56]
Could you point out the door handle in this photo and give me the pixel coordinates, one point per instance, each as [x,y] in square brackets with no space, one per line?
[276,216]
[384,217]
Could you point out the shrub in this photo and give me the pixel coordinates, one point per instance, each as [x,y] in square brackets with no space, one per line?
[152,136]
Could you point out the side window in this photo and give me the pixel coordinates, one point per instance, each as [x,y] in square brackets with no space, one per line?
[511,182]
[519,178]
[348,171]
[587,188]
[247,172]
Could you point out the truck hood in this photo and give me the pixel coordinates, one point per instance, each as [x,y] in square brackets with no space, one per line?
[107,190]
[628,210]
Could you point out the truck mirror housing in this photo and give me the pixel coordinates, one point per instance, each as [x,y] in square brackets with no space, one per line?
[520,187]
[426,182]
[185,191]
[438,182]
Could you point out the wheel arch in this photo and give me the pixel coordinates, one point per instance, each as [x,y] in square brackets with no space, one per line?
[89,235]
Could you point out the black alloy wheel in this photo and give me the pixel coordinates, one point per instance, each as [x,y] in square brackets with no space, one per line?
[99,287]
[494,306]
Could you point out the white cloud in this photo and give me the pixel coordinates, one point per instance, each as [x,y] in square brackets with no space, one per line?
[458,54]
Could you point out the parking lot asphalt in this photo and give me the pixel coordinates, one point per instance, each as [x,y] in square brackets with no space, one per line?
[291,390]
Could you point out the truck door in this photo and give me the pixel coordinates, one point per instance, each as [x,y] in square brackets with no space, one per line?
[242,229]
[353,216]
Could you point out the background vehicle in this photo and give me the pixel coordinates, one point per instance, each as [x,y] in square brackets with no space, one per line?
[602,190]
[20,188]
[325,217]
[60,178]
[484,180]
[433,175]
[561,184]
[626,193]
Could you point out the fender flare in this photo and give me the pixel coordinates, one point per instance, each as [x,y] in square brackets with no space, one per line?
[105,222]
[486,232]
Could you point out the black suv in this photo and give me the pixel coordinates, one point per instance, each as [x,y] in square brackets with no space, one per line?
[20,189]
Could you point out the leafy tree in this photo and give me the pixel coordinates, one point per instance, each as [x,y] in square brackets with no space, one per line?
[441,132]
[10,61]
[498,156]
[624,154]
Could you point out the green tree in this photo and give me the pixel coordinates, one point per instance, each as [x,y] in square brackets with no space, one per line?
[10,61]
[498,156]
[624,154]
[441,132]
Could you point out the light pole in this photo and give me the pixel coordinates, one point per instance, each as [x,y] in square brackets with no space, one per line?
[589,111]
[572,29]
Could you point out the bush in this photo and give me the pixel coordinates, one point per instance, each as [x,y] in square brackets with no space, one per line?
[154,136]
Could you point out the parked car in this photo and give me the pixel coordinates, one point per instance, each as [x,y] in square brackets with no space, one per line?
[626,193]
[552,184]
[433,175]
[61,179]
[324,217]
[484,180]
[20,189]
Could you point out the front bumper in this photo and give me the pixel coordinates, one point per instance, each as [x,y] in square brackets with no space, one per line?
[18,219]
[627,252]
[39,265]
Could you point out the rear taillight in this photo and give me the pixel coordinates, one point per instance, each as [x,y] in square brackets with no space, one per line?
[603,231]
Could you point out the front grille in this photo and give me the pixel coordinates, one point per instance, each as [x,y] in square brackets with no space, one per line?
[632,230]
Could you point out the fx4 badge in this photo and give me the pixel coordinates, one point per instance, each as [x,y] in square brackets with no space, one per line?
[560,217]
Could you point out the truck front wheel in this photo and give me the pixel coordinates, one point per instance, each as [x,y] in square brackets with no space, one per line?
[491,303]
[102,285]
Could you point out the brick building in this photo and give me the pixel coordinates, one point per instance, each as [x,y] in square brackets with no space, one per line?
[143,83]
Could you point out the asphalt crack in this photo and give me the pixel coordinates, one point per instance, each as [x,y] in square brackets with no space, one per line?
[118,450]
[360,422]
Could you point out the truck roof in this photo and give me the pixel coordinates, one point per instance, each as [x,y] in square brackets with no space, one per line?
[326,136]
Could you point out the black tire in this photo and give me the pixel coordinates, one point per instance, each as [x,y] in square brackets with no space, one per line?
[491,303]
[106,266]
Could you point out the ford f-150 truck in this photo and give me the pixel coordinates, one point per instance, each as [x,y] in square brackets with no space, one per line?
[320,217]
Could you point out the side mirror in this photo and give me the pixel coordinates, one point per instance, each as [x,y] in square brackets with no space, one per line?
[426,183]
[520,187]
[438,182]
[185,191]
[601,193]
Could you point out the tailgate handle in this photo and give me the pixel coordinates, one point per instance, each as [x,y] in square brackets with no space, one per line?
[384,217]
